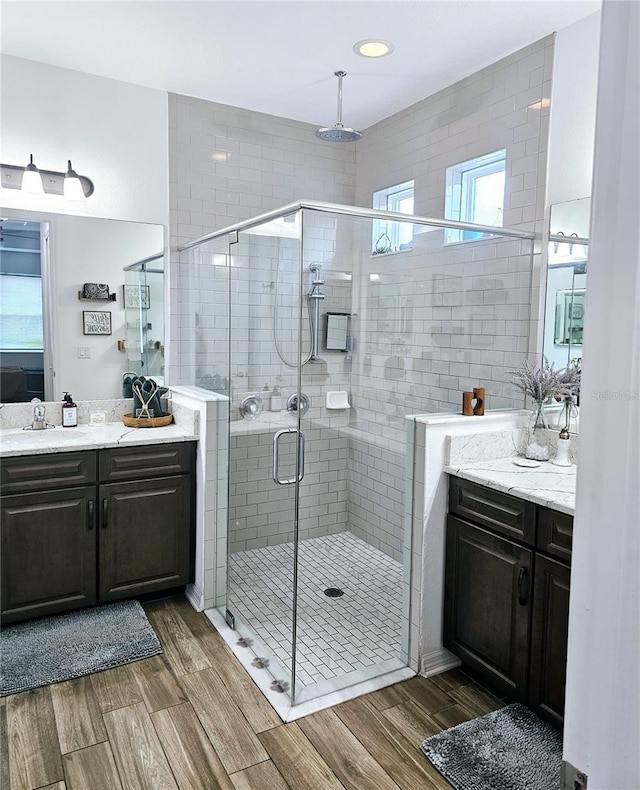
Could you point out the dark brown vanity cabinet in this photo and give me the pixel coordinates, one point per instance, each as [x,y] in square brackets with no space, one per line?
[71,537]
[507,594]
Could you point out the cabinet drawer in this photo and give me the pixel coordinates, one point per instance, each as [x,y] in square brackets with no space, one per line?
[507,515]
[25,473]
[135,463]
[555,533]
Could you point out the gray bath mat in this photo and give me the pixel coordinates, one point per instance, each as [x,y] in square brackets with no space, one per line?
[65,646]
[509,749]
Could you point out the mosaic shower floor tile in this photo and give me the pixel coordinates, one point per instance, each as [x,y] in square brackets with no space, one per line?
[335,636]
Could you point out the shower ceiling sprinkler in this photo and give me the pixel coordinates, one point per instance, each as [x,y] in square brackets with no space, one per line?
[339,133]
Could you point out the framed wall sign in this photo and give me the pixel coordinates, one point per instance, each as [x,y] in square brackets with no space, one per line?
[137,296]
[96,322]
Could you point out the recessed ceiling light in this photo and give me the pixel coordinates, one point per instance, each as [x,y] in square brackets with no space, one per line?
[373,48]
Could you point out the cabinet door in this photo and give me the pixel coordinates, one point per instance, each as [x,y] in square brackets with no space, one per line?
[48,552]
[145,531]
[486,618]
[549,636]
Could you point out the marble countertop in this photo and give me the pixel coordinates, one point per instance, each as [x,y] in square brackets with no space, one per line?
[547,484]
[15,442]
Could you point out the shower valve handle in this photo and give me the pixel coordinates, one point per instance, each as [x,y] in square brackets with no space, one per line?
[287,481]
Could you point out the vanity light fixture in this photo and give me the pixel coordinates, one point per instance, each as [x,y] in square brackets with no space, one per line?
[373,48]
[38,182]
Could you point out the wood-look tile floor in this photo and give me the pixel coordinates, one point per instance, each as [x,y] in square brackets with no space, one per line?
[192,718]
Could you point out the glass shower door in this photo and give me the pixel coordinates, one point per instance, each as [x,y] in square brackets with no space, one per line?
[352,590]
[266,450]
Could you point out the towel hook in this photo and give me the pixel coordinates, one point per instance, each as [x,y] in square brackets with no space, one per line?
[556,244]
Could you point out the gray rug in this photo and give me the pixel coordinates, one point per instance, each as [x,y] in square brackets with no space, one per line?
[51,649]
[509,749]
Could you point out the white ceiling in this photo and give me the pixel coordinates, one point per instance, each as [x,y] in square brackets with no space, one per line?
[279,57]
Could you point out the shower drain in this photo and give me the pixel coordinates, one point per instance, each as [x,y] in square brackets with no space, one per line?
[333,592]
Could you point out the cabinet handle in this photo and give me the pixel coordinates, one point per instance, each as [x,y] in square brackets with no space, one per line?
[523,592]
[91,519]
[105,513]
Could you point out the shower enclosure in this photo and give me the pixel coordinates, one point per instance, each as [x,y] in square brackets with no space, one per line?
[324,348]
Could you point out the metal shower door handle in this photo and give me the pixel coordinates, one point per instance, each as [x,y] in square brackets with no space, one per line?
[287,481]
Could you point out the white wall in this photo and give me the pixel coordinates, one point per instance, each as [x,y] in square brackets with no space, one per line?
[113,132]
[573,111]
[602,721]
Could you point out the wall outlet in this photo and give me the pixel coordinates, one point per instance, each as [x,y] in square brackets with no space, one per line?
[571,778]
[84,352]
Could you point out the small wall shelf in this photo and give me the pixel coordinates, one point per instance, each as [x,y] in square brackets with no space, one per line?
[110,298]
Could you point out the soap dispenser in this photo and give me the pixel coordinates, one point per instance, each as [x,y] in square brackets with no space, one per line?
[69,412]
[562,455]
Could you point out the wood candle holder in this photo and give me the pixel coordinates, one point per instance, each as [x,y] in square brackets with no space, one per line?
[467,404]
[478,394]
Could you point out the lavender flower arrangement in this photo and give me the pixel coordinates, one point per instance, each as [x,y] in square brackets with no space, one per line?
[544,383]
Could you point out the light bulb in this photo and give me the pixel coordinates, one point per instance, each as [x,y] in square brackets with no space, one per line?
[32,180]
[72,188]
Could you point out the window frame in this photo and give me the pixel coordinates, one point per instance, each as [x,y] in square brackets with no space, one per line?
[460,180]
[388,199]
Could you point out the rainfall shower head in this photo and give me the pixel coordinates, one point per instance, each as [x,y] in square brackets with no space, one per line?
[339,133]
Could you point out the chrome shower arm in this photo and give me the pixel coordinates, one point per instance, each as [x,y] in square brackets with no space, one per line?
[340,75]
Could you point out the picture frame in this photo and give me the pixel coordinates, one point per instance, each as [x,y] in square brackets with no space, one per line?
[137,297]
[96,322]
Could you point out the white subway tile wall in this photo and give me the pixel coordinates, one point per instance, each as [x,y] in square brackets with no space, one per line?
[505,105]
[227,164]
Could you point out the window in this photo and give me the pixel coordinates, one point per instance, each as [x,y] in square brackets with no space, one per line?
[21,311]
[393,236]
[475,193]
[20,289]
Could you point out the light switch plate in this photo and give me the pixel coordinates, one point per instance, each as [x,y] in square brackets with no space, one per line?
[84,352]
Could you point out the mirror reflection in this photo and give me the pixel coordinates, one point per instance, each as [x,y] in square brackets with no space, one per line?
[55,334]
[566,289]
[566,282]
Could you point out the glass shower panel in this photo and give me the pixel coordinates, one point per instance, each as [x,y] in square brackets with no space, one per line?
[353,569]
[265,455]
[305,312]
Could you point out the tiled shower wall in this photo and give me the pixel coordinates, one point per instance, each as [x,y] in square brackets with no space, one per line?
[227,164]
[505,105]
[261,513]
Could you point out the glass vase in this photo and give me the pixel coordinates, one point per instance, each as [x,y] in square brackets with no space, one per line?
[568,416]
[538,436]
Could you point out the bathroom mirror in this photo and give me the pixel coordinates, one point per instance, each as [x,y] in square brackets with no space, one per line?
[567,254]
[46,259]
[566,282]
